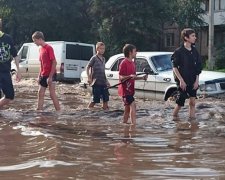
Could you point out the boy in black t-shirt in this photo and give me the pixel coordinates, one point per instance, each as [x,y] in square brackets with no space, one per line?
[186,67]
[7,51]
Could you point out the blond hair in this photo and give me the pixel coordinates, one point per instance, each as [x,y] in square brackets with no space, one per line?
[38,35]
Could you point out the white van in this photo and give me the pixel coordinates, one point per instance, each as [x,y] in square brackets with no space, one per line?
[71,57]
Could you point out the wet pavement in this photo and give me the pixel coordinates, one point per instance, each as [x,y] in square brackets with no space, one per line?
[92,144]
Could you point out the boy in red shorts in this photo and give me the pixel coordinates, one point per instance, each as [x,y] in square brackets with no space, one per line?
[47,75]
[127,70]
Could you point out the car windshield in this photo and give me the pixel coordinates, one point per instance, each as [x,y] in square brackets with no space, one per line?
[162,62]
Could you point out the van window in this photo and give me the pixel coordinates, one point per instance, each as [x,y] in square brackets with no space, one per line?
[24,52]
[79,52]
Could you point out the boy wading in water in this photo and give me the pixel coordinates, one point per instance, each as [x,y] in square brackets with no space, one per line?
[127,70]
[7,51]
[187,67]
[47,75]
[97,78]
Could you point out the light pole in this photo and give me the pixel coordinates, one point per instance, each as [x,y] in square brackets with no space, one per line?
[211,60]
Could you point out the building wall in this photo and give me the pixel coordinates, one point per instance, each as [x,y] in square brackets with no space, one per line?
[171,37]
[202,34]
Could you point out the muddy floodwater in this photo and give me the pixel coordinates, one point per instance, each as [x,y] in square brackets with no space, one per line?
[92,144]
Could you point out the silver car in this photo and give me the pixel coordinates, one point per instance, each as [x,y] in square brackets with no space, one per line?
[160,83]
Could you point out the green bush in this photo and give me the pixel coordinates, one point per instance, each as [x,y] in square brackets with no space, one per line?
[220,57]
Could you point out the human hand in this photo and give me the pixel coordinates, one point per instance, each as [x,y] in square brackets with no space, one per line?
[38,79]
[183,85]
[89,80]
[145,77]
[49,80]
[196,85]
[18,76]
[133,76]
[107,84]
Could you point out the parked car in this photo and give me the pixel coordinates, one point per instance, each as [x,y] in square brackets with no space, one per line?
[160,83]
[71,57]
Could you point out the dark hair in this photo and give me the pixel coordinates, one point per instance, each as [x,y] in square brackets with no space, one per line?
[38,35]
[186,33]
[127,49]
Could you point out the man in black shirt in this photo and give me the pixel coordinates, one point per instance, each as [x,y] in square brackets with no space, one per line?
[186,67]
[7,51]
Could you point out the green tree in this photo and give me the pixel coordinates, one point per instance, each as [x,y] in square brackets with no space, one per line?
[187,13]
[129,21]
[116,22]
[59,20]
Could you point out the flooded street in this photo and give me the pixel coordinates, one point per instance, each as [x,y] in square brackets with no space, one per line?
[92,144]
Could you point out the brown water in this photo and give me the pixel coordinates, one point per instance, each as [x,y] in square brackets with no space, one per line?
[84,144]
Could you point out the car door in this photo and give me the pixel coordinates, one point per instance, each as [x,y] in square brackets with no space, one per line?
[112,74]
[162,64]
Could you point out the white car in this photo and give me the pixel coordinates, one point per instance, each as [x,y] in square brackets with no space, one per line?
[160,83]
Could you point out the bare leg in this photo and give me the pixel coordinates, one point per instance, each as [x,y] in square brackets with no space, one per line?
[192,107]
[105,105]
[133,112]
[126,113]
[4,101]
[41,94]
[176,110]
[91,105]
[53,96]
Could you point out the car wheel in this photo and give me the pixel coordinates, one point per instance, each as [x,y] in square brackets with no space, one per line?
[171,94]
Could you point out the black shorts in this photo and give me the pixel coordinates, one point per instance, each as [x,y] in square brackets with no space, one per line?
[43,80]
[99,92]
[6,85]
[183,95]
[128,99]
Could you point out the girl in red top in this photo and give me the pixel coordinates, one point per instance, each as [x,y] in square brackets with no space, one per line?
[127,70]
[47,75]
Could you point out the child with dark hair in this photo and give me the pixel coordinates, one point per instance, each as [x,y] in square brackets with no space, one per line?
[7,53]
[127,70]
[186,67]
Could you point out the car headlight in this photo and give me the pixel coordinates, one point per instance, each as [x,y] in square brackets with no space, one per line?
[207,87]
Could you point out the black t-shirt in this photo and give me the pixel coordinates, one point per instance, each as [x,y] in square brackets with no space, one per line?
[188,63]
[7,51]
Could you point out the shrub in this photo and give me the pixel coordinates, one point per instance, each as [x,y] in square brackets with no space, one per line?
[220,57]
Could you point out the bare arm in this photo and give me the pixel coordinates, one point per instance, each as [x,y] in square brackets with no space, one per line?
[145,77]
[183,85]
[88,72]
[196,84]
[54,63]
[52,72]
[122,78]
[175,70]
[18,74]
